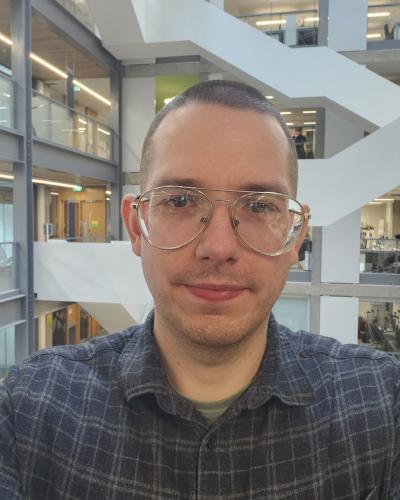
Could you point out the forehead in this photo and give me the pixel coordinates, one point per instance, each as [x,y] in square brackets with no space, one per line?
[219,147]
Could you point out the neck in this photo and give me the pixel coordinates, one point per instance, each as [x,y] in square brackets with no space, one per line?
[204,373]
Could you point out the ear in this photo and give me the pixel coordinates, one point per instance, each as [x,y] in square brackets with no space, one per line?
[129,216]
[294,252]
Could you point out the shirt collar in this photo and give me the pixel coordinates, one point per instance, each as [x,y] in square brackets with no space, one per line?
[281,374]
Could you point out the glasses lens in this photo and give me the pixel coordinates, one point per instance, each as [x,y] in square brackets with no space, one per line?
[268,223]
[170,217]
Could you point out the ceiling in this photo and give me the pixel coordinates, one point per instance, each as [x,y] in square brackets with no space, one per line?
[49,45]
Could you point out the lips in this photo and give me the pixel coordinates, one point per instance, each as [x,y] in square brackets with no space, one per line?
[215,293]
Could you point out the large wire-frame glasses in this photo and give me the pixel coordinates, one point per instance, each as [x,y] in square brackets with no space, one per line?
[268,223]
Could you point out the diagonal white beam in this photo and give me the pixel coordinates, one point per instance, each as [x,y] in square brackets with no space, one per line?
[317,76]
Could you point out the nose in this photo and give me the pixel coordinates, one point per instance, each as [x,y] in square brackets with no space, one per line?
[218,242]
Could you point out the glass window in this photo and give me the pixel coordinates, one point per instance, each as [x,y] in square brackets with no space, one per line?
[293,312]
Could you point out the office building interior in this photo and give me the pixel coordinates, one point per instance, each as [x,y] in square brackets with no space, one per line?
[77,96]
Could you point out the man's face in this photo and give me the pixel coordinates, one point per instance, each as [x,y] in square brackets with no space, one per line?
[215,291]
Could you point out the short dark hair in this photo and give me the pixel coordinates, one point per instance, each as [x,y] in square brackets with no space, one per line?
[222,93]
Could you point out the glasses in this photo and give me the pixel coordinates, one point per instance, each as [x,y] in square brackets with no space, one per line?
[171,217]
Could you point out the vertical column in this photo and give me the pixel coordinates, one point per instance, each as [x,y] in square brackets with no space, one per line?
[340,249]
[23,190]
[343,25]
[116,151]
[138,111]
[291,30]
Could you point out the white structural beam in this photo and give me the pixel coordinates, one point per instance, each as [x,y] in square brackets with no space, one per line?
[342,184]
[317,76]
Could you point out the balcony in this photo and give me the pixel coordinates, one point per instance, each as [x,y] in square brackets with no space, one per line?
[59,124]
[296,29]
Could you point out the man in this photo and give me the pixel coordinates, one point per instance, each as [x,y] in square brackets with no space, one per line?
[210,398]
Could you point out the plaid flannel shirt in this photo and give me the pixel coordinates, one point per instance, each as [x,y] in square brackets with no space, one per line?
[99,421]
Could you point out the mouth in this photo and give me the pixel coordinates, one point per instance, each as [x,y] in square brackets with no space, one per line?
[215,293]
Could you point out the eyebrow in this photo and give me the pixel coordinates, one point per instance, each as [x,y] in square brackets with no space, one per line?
[275,187]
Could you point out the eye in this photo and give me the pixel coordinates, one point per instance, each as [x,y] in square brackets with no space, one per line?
[180,200]
[261,207]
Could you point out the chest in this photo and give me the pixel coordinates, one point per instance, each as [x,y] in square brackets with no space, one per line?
[273,452]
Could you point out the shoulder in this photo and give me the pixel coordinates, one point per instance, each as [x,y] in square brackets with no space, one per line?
[342,361]
[56,366]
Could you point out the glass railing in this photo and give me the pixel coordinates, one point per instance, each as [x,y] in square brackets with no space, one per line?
[79,9]
[6,102]
[384,22]
[380,255]
[380,330]
[57,123]
[7,350]
[8,258]
[292,28]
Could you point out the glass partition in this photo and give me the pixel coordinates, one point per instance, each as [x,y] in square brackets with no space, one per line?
[6,102]
[7,266]
[380,255]
[57,123]
[384,22]
[297,28]
[293,312]
[79,9]
[379,327]
[7,350]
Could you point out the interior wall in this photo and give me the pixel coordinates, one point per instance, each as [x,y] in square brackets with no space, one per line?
[372,214]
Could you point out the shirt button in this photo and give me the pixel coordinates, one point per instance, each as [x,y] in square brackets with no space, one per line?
[212,442]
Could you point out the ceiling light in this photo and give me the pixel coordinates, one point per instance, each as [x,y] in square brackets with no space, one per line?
[271,23]
[108,193]
[6,176]
[311,19]
[290,124]
[5,39]
[374,203]
[105,132]
[49,66]
[82,121]
[384,199]
[54,193]
[286,112]
[55,183]
[6,95]
[309,123]
[374,35]
[270,97]
[107,199]
[92,92]
[309,112]
[378,14]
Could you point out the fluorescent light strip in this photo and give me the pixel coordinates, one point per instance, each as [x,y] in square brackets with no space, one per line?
[309,112]
[286,112]
[54,194]
[378,14]
[108,193]
[290,124]
[49,66]
[45,182]
[309,123]
[105,132]
[374,35]
[5,39]
[270,97]
[384,199]
[311,19]
[271,23]
[82,121]
[54,69]
[92,92]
